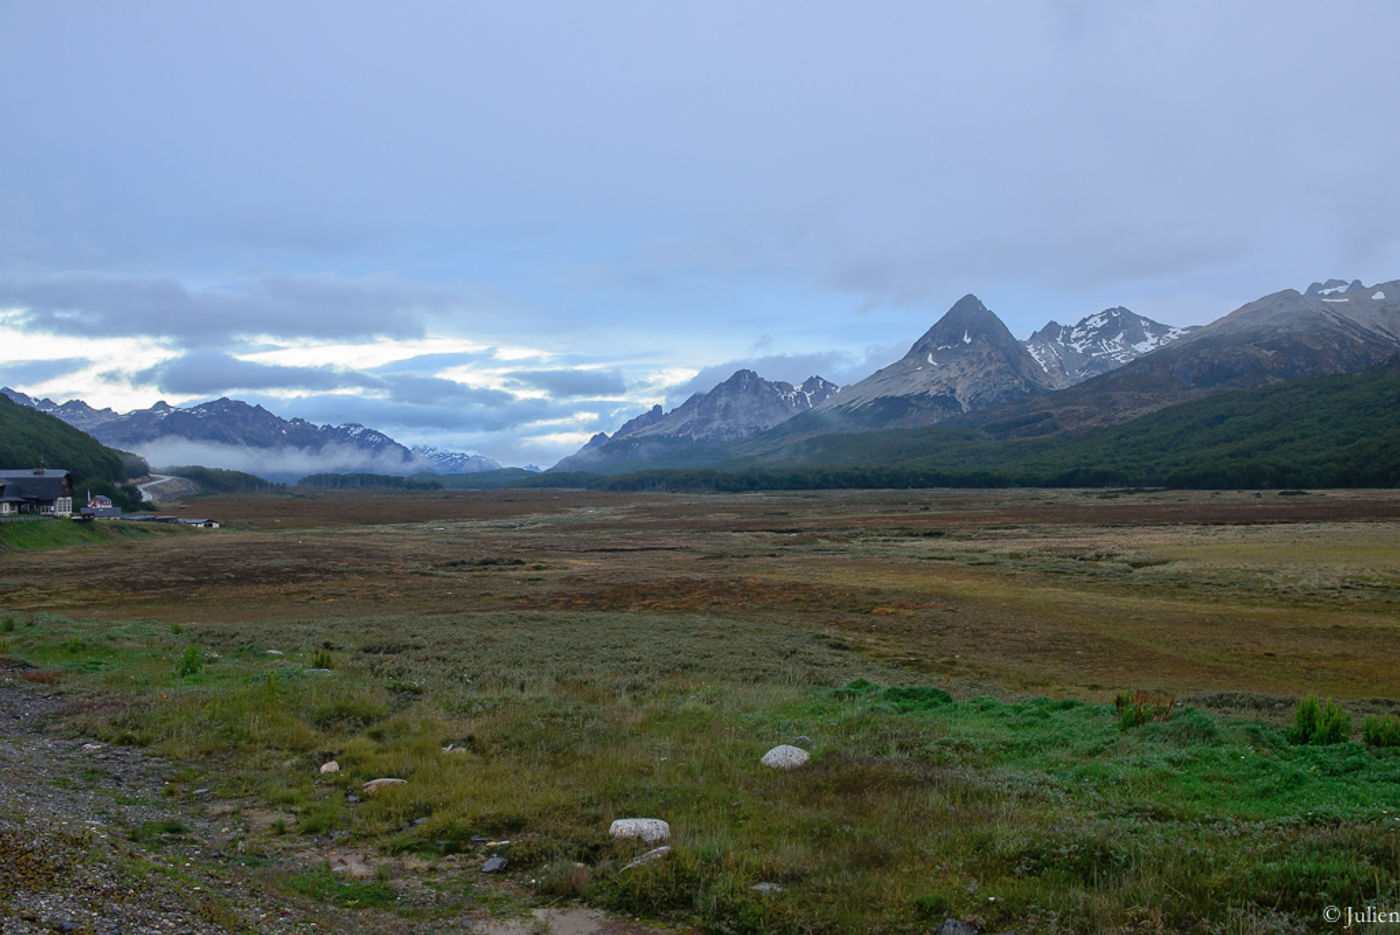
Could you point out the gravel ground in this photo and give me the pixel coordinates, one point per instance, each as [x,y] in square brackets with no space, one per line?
[95,838]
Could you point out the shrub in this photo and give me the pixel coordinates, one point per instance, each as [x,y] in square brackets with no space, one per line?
[1140,708]
[191,663]
[322,660]
[1381,731]
[1319,722]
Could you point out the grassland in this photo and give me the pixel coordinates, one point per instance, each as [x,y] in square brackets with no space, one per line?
[953,658]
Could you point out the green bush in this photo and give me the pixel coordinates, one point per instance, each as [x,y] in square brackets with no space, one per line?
[191,663]
[1140,708]
[1381,731]
[1319,722]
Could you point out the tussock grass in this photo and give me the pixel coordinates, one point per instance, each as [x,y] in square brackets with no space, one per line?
[1038,812]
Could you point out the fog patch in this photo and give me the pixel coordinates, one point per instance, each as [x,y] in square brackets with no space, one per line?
[284,464]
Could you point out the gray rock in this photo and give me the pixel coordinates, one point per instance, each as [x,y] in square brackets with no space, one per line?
[764,889]
[656,853]
[375,786]
[804,742]
[494,865]
[956,927]
[647,830]
[784,756]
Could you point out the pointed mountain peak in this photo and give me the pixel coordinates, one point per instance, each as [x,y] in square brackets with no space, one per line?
[962,325]
[740,378]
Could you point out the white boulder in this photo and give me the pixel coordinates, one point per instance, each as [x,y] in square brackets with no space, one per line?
[785,756]
[648,830]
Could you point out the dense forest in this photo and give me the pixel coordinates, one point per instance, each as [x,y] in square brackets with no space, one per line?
[1338,431]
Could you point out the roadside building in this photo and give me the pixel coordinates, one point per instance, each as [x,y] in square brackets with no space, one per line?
[100,507]
[36,492]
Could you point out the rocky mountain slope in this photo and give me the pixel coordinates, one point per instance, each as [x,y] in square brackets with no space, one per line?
[967,360]
[1333,327]
[742,405]
[1101,342]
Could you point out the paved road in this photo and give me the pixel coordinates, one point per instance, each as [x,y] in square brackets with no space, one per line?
[155,479]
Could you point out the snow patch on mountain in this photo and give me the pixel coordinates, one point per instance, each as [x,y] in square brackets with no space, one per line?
[1098,343]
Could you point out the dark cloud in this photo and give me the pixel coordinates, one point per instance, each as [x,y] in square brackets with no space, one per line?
[317,306]
[393,416]
[416,389]
[572,383]
[204,373]
[37,371]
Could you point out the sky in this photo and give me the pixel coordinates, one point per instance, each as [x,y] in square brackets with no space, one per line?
[503,227]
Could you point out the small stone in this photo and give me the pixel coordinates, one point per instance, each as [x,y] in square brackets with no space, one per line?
[649,830]
[375,786]
[201,792]
[765,889]
[331,767]
[785,756]
[275,652]
[494,865]
[956,927]
[804,742]
[479,839]
[92,747]
[352,799]
[656,853]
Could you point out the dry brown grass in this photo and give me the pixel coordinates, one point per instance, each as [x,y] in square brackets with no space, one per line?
[1061,592]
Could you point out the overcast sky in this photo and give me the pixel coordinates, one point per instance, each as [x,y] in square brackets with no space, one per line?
[502,227]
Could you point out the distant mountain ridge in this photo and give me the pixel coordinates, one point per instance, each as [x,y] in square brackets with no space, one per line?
[230,433]
[1332,328]
[967,360]
[1104,341]
[742,405]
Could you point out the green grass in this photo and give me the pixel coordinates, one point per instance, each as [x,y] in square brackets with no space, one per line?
[1043,814]
[34,535]
[321,883]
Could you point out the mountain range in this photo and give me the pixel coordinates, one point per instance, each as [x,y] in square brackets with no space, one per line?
[229,433]
[967,361]
[966,373]
[743,405]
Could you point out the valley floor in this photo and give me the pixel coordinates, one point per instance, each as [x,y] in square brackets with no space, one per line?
[597,655]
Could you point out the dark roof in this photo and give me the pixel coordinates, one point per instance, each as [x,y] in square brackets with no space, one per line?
[36,485]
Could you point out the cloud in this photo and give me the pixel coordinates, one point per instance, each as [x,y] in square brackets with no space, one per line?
[573,383]
[280,464]
[307,306]
[207,373]
[433,363]
[37,371]
[427,416]
[416,389]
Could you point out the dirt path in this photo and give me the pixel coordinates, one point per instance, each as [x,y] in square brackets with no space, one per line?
[96,839]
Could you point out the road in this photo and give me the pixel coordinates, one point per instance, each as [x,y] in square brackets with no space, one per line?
[155,479]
